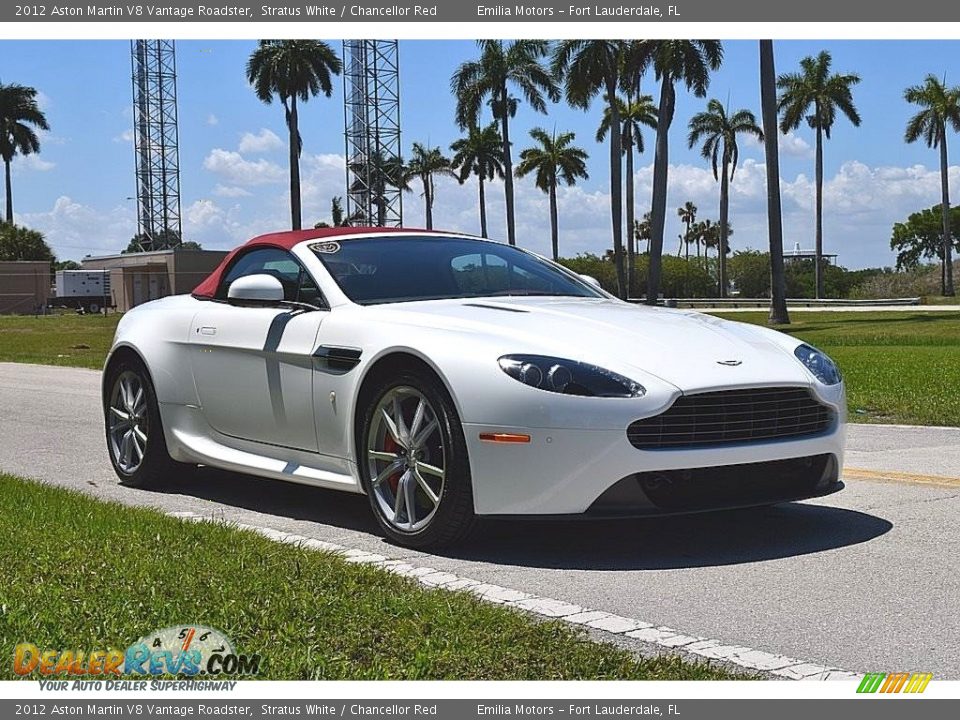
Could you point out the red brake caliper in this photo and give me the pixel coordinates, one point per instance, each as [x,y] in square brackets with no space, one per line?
[391,446]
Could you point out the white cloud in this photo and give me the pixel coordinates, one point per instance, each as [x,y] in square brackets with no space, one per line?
[791,145]
[202,212]
[795,146]
[32,162]
[237,170]
[263,142]
[231,191]
[44,101]
[73,229]
[125,137]
[212,119]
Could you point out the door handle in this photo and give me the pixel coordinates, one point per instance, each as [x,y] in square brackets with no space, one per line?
[207,330]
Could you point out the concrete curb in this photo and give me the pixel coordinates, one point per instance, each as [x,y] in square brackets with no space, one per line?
[598,622]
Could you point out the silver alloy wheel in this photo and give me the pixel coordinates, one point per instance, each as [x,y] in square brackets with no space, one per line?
[128,421]
[406,458]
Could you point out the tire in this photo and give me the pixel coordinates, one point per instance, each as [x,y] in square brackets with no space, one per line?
[138,453]
[93,308]
[406,463]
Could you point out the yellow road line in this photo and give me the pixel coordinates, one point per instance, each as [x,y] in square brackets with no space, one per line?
[850,473]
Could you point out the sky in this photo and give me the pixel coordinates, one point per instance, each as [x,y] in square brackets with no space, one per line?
[78,191]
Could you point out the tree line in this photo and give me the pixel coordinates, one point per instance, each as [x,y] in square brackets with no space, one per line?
[490,89]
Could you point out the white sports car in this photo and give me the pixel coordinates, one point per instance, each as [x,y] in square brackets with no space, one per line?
[448,377]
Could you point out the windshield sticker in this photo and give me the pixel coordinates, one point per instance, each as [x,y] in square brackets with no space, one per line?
[327,247]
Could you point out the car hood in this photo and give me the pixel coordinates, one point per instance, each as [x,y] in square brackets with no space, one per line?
[687,349]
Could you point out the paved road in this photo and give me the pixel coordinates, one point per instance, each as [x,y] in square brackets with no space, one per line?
[867,580]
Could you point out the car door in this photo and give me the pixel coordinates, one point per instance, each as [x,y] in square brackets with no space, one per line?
[253,365]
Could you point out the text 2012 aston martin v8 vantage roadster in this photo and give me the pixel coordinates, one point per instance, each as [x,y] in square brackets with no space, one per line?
[449,377]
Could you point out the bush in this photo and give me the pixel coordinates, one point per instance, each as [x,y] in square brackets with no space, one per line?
[20,243]
[921,281]
[749,271]
[679,277]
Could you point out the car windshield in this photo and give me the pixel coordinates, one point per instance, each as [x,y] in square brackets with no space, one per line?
[402,269]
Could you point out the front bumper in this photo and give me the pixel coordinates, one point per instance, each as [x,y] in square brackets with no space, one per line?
[565,471]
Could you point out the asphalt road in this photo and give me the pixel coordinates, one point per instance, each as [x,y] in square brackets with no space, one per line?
[866,580]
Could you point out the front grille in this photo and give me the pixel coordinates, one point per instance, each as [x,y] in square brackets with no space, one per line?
[732,416]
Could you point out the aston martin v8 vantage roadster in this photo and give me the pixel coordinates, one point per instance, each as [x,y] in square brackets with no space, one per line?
[448,377]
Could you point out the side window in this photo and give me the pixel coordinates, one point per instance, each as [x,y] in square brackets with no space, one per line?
[297,284]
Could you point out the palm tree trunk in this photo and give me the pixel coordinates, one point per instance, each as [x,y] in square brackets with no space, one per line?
[768,103]
[616,191]
[631,245]
[507,166]
[293,127]
[724,219]
[658,212]
[483,208]
[554,234]
[818,270]
[945,215]
[9,189]
[428,201]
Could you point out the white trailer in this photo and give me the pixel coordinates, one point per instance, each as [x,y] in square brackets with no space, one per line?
[88,290]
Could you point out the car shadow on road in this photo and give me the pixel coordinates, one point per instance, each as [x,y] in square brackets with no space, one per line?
[709,539]
[703,540]
[343,510]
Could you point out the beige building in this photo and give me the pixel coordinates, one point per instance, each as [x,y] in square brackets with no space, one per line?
[24,286]
[136,278]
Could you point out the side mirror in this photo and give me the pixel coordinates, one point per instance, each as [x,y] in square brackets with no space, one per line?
[591,280]
[262,289]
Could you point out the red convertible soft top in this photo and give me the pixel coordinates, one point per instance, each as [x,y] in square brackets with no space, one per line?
[286,240]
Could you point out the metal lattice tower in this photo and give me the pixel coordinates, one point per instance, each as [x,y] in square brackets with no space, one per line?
[156,143]
[371,92]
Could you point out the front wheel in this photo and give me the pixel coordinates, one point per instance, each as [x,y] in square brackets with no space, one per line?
[413,463]
[135,442]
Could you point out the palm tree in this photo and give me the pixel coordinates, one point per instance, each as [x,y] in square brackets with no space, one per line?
[641,230]
[688,216]
[689,62]
[553,161]
[814,95]
[941,110]
[20,117]
[480,153]
[292,70]
[768,107]
[425,163]
[718,131]
[602,67]
[502,65]
[634,114]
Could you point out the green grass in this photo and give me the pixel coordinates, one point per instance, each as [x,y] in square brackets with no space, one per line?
[70,339]
[80,573]
[899,367]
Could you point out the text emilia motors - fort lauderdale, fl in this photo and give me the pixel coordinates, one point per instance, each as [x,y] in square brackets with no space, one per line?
[335,11]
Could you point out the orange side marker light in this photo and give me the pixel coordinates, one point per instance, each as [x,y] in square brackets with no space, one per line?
[505,437]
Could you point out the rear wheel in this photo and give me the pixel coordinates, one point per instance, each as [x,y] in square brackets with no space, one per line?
[413,463]
[135,442]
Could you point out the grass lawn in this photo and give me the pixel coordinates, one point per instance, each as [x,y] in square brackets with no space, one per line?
[900,367]
[80,573]
[69,339]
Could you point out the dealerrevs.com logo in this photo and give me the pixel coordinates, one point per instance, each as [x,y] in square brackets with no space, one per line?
[180,650]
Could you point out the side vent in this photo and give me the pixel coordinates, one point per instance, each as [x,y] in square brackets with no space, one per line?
[338,358]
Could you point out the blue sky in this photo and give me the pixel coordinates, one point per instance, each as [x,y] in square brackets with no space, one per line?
[233,162]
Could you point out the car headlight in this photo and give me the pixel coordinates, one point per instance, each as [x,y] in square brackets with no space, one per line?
[817,362]
[569,377]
